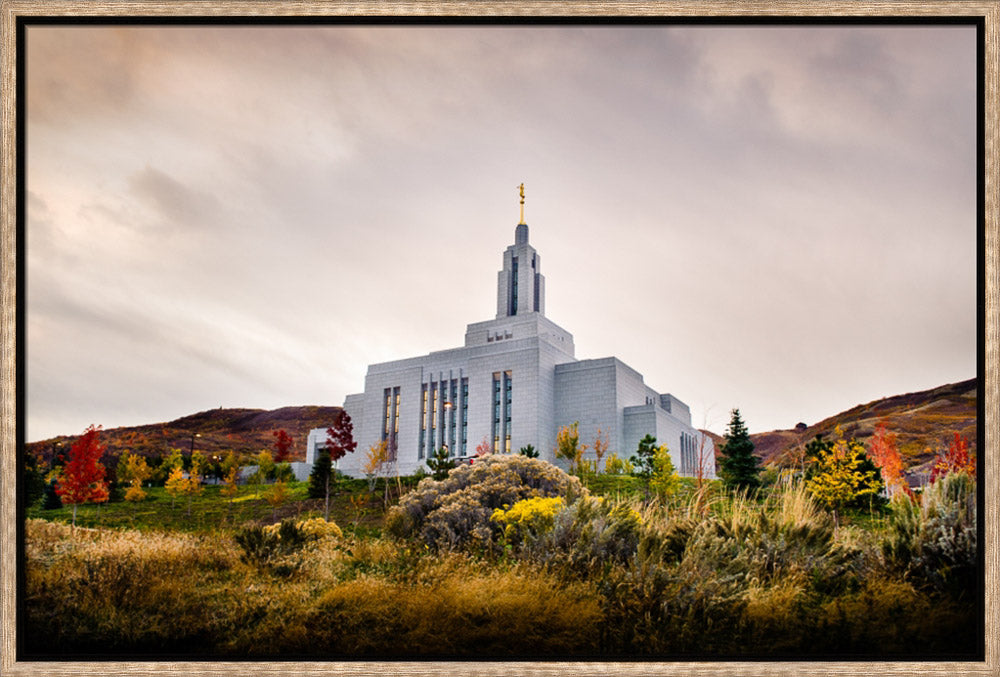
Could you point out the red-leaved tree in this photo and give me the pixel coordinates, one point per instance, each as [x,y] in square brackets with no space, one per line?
[282,446]
[82,479]
[884,450]
[957,459]
[340,436]
[339,441]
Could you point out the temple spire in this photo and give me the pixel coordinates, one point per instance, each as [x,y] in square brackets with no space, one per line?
[521,222]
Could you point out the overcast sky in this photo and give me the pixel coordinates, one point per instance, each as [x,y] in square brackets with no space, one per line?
[779,219]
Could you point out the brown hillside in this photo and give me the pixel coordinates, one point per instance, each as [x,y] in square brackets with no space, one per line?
[925,423]
[217,431]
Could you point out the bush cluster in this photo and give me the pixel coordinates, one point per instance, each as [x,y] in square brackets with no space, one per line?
[455,512]
[730,577]
[277,547]
[586,536]
[933,543]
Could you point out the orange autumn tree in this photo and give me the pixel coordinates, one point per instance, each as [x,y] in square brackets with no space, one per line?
[957,459]
[82,479]
[884,451]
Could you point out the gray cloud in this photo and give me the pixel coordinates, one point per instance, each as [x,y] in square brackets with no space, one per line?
[780,219]
[178,204]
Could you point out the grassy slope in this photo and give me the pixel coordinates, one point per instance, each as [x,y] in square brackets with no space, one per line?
[211,512]
[924,422]
[245,431]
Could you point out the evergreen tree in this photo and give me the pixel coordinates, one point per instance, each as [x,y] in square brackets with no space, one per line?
[52,500]
[644,460]
[440,464]
[319,478]
[740,468]
[34,479]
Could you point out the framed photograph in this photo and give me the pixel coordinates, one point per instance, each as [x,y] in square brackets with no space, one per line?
[288,387]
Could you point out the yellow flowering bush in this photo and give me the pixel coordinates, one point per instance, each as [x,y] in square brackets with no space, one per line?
[318,527]
[528,517]
[313,528]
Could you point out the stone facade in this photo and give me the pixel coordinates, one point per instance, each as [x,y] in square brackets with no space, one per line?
[515,382]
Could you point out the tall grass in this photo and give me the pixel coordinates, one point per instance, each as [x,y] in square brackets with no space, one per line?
[695,576]
[104,591]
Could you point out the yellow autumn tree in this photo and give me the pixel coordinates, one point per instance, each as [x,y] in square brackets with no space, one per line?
[568,446]
[600,448]
[178,485]
[175,484]
[132,468]
[231,486]
[664,480]
[277,497]
[376,460]
[841,473]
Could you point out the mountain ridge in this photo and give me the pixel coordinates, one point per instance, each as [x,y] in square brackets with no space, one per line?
[924,422]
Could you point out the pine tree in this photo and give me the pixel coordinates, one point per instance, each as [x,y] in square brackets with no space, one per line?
[52,500]
[740,468]
[528,451]
[440,464]
[320,475]
[644,460]
[34,479]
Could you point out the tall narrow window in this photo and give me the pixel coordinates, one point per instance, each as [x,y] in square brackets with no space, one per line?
[513,287]
[395,411]
[453,399]
[434,418]
[443,389]
[496,412]
[507,387]
[387,412]
[465,414]
[423,420]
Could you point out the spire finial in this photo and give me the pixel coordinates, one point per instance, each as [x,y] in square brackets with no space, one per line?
[521,189]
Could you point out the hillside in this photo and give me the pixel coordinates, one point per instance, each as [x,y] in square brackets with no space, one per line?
[924,422]
[216,431]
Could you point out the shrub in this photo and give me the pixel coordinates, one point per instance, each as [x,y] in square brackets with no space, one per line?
[276,547]
[107,590]
[616,466]
[317,527]
[587,535]
[933,544]
[456,511]
[527,518]
[788,536]
[451,606]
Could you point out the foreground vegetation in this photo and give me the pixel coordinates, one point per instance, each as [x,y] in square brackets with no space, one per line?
[508,558]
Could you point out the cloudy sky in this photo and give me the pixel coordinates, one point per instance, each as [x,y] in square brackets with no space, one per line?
[780,219]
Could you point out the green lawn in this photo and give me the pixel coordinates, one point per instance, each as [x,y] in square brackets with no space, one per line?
[211,511]
[352,506]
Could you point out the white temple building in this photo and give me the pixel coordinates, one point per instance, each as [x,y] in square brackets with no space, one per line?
[515,382]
